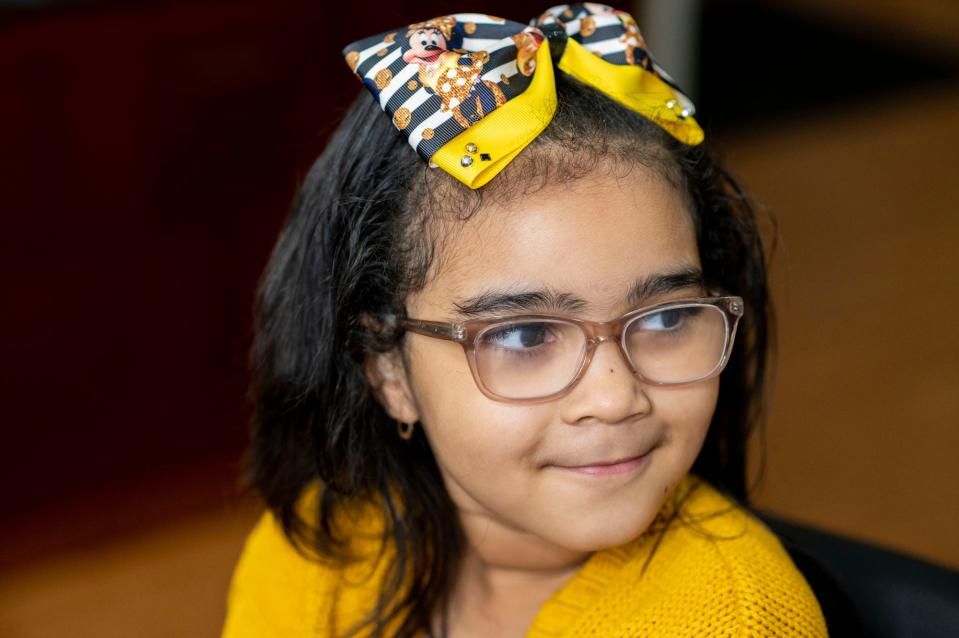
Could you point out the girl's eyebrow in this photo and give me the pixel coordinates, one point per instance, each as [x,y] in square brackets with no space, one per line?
[493,302]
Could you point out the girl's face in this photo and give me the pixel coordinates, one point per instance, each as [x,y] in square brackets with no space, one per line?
[507,466]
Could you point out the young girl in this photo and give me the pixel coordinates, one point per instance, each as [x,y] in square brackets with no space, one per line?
[487,372]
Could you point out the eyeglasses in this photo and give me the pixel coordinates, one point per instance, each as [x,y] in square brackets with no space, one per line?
[537,358]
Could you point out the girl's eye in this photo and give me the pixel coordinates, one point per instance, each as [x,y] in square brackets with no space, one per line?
[667,320]
[522,336]
[434,39]
[424,42]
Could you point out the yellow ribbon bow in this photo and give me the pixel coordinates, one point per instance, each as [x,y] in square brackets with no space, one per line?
[470,91]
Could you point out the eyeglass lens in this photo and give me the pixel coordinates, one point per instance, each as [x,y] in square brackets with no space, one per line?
[528,359]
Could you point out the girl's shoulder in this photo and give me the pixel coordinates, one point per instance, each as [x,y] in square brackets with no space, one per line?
[282,587]
[738,548]
[272,586]
[707,567]
[721,541]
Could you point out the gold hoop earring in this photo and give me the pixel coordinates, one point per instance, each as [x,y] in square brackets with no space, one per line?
[405,430]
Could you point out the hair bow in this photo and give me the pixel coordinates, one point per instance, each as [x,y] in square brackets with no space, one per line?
[470,91]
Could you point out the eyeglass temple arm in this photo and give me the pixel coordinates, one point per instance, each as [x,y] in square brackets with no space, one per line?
[450,331]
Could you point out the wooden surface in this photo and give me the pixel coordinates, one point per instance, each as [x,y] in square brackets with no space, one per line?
[169,582]
[863,434]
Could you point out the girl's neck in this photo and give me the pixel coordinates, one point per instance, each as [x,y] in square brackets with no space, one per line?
[490,578]
[504,579]
[495,600]
[495,547]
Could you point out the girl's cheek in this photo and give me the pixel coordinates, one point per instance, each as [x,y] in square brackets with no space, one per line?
[476,437]
[455,411]
[486,432]
[688,411]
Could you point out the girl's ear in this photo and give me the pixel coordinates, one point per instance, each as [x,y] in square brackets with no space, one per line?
[387,376]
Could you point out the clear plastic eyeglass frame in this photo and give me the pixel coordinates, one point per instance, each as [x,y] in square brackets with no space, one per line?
[468,333]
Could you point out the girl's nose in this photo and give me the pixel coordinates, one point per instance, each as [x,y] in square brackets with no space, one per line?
[608,390]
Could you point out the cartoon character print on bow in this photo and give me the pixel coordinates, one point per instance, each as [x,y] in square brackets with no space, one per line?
[440,77]
[581,21]
[636,52]
[452,74]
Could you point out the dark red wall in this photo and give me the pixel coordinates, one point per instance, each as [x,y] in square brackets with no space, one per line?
[148,153]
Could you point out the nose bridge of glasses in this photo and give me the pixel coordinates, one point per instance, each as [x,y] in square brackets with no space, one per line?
[597,332]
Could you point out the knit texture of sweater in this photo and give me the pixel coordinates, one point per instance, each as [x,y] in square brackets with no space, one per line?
[713,570]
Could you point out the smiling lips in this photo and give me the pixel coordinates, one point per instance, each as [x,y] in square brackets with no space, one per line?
[621,466]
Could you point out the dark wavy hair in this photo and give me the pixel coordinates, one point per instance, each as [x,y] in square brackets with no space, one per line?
[365,230]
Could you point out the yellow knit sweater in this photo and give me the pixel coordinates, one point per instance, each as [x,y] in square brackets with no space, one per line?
[716,571]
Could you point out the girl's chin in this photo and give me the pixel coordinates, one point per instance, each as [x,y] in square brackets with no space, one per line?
[594,538]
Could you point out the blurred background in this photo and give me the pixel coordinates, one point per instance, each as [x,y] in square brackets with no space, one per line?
[148,154]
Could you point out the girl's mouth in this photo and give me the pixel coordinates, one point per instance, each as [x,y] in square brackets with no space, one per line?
[609,468]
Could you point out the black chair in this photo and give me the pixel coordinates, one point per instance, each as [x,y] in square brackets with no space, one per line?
[865,590]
